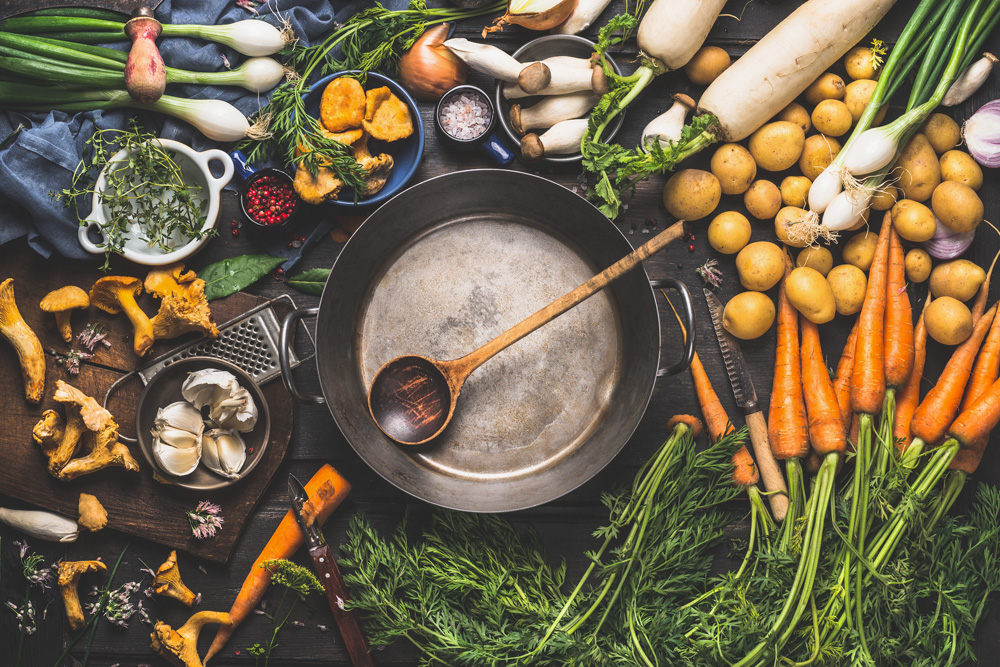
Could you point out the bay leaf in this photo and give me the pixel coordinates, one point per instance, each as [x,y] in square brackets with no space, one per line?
[310,281]
[235,273]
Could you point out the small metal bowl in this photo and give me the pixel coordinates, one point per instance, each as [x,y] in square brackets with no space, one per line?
[453,141]
[540,49]
[282,226]
[165,388]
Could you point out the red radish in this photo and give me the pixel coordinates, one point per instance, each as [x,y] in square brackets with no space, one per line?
[145,74]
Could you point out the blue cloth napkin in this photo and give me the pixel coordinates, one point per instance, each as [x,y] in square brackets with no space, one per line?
[42,156]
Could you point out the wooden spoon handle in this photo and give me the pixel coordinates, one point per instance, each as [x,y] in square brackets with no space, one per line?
[470,362]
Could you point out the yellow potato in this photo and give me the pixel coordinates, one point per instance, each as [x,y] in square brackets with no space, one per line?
[859,251]
[961,168]
[957,206]
[748,315]
[885,198]
[913,221]
[762,199]
[832,118]
[809,292]
[942,132]
[691,194]
[918,265]
[816,257]
[795,190]
[862,222]
[733,165]
[856,98]
[777,146]
[948,321]
[795,113]
[817,154]
[860,63]
[848,284]
[787,223]
[917,169]
[828,86]
[729,232]
[706,65]
[760,266]
[959,279]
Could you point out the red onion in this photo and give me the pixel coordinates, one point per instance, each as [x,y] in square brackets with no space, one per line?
[946,244]
[982,134]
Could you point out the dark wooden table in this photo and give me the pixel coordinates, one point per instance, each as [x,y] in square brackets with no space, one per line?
[564,525]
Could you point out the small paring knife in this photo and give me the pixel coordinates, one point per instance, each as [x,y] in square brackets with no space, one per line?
[746,398]
[329,576]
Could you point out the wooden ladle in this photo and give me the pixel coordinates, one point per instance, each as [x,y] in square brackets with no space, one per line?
[412,398]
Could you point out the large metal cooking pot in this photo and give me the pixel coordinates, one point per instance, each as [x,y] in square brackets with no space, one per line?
[444,267]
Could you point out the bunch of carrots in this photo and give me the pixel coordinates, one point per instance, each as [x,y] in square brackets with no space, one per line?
[871,413]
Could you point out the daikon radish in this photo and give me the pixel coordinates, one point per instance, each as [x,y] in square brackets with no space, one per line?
[583,16]
[672,31]
[563,138]
[781,65]
[550,111]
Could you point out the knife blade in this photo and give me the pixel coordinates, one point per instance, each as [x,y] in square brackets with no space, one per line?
[329,576]
[746,398]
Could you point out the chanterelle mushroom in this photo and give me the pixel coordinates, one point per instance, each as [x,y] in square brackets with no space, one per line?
[377,167]
[106,452]
[83,413]
[62,302]
[69,577]
[180,646]
[184,308]
[114,294]
[168,582]
[25,342]
[93,516]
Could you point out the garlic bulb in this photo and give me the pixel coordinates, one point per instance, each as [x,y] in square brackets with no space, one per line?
[41,525]
[230,405]
[177,435]
[224,452]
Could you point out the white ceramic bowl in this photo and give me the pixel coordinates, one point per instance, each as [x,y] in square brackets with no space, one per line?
[195,168]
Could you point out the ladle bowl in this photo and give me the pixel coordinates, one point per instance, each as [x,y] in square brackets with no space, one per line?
[412,398]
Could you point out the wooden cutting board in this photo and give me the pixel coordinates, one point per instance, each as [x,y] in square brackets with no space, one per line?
[136,504]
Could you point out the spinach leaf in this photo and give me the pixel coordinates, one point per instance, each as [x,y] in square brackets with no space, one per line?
[310,282]
[235,273]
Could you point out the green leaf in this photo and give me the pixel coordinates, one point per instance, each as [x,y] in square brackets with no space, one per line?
[233,274]
[310,282]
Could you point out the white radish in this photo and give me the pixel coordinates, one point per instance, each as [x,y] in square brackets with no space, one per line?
[550,111]
[565,78]
[584,14]
[668,125]
[672,31]
[782,64]
[41,525]
[563,138]
[486,59]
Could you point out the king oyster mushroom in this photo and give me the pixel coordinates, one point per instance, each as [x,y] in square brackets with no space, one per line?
[230,405]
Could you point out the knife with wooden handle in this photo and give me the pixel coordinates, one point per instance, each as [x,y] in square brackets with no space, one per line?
[746,398]
[329,576]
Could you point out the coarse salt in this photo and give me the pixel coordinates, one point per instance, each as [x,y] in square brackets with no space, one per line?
[465,116]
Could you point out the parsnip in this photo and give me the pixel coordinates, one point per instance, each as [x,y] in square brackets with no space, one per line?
[782,64]
[672,31]
[550,111]
[585,13]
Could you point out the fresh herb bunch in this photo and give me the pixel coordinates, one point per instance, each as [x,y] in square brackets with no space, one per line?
[145,193]
[371,40]
[291,577]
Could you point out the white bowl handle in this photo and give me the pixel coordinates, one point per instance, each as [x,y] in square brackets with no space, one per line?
[205,157]
[85,241]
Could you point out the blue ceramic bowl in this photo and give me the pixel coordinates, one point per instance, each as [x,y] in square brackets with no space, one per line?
[405,152]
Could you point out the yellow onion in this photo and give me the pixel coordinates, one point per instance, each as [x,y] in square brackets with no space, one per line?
[533,14]
[429,69]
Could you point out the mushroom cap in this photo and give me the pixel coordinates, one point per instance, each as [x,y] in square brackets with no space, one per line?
[104,293]
[64,298]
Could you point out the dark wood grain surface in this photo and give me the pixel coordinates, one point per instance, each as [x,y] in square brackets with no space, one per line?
[564,525]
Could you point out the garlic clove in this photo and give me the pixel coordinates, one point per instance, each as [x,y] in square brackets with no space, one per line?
[230,405]
[238,412]
[177,461]
[224,452]
[203,387]
[179,416]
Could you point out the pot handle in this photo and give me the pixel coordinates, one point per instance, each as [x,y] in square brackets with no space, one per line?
[285,344]
[687,312]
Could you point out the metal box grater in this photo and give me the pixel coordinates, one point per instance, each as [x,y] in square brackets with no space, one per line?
[250,341]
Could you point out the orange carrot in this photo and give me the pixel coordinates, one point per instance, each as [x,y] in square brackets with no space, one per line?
[786,418]
[976,423]
[987,367]
[716,420]
[327,489]
[813,462]
[690,421]
[868,380]
[898,336]
[826,427]
[909,398]
[936,412]
[979,305]
[845,369]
